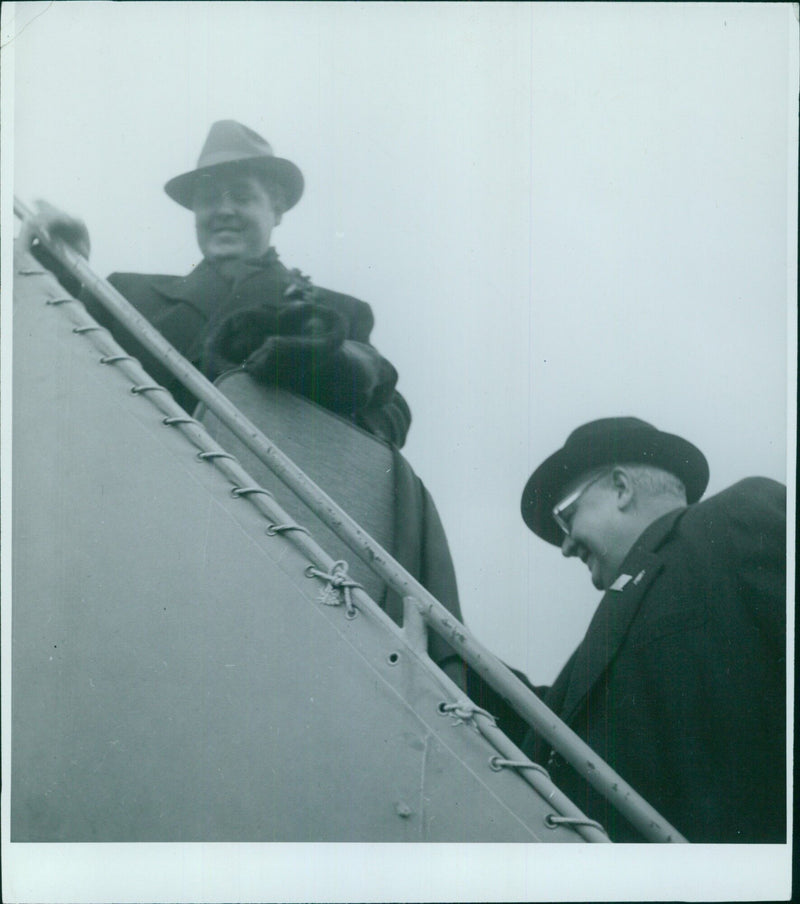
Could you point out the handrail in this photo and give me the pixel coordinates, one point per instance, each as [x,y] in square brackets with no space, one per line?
[562,738]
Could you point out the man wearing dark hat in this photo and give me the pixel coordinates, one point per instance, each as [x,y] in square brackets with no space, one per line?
[241,307]
[679,683]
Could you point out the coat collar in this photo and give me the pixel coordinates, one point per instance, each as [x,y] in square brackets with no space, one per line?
[205,285]
[196,288]
[616,611]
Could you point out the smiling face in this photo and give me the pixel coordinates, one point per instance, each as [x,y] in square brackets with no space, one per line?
[598,531]
[234,216]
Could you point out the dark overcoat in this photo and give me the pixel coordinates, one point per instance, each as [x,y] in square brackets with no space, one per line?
[680,681]
[187,310]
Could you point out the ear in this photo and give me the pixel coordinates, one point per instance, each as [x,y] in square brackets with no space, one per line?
[623,487]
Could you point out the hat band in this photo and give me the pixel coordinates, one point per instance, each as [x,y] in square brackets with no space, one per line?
[229,157]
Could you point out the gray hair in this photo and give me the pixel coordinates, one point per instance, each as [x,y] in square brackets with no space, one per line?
[655,481]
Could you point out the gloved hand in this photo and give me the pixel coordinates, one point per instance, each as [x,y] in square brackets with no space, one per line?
[297,356]
[235,339]
[281,346]
[359,380]
[58,225]
[302,348]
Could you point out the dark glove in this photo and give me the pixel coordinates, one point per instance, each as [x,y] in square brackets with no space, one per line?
[280,346]
[357,380]
[299,355]
[389,421]
[236,338]
[302,348]
[63,227]
[58,225]
[346,377]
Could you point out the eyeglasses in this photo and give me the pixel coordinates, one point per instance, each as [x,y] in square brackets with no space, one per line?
[560,508]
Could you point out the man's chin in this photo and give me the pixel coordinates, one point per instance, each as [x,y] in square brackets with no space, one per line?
[224,253]
[597,578]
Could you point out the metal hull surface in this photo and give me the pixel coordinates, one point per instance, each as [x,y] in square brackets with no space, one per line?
[177,675]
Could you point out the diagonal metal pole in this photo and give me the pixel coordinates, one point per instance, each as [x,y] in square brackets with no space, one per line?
[562,738]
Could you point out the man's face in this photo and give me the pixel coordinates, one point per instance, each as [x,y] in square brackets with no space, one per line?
[594,522]
[234,217]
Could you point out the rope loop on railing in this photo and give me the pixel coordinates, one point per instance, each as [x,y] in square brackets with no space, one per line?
[174,420]
[210,456]
[236,492]
[465,711]
[92,328]
[553,822]
[274,529]
[112,359]
[498,763]
[147,387]
[338,587]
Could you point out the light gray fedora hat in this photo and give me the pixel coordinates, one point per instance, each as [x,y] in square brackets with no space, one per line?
[229,144]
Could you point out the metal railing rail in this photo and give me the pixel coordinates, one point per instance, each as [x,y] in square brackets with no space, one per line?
[562,738]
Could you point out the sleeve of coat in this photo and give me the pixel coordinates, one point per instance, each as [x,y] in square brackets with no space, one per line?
[756,510]
[388,420]
[388,415]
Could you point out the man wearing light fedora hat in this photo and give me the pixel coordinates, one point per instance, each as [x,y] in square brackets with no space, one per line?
[241,307]
[679,682]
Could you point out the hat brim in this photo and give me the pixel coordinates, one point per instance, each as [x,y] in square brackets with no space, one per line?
[547,484]
[181,188]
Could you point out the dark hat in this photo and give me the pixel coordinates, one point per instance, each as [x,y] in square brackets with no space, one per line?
[610,441]
[231,143]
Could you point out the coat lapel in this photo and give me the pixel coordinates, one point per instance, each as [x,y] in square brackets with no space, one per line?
[615,613]
[202,289]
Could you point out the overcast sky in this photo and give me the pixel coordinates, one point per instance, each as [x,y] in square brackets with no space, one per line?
[558,212]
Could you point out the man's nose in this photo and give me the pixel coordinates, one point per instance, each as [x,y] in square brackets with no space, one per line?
[225,203]
[568,546]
